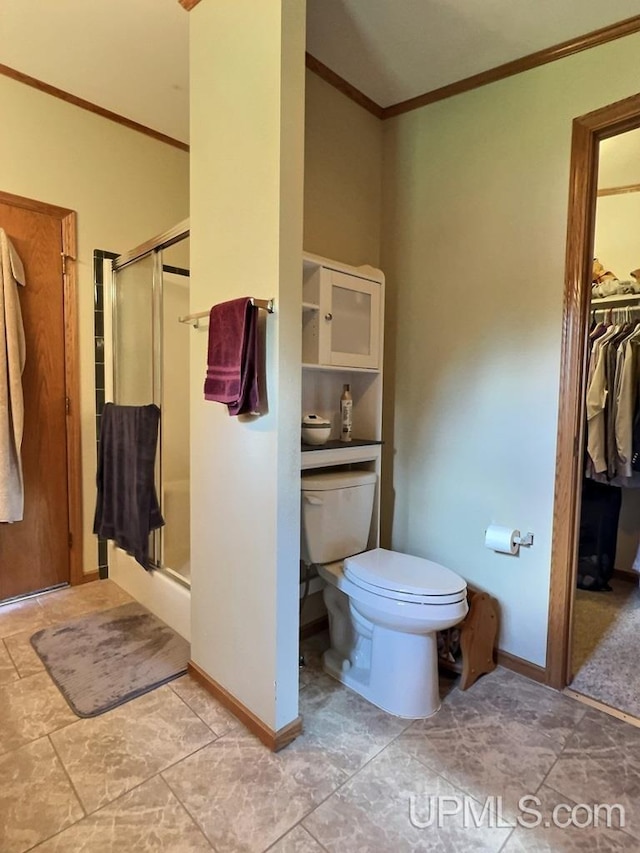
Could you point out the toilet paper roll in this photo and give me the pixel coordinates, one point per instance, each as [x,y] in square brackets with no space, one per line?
[502,539]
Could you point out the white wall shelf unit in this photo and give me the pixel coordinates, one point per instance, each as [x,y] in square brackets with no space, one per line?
[342,344]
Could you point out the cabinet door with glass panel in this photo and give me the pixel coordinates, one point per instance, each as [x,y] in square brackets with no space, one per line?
[343,328]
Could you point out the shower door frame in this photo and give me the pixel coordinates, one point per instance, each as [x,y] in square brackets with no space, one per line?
[153,247]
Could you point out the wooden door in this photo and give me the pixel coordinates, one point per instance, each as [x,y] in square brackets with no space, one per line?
[35,552]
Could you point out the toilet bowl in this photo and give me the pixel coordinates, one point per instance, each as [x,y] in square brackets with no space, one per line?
[383,633]
[384,607]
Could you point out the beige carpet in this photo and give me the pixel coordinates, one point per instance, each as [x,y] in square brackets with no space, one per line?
[606,646]
[105,659]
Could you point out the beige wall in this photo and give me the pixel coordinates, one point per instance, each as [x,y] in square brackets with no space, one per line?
[616,242]
[617,216]
[619,161]
[246,240]
[125,188]
[342,177]
[475,207]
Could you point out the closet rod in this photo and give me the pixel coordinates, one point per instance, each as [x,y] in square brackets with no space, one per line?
[616,315]
[264,304]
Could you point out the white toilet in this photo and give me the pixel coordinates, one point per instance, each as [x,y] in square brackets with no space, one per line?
[384,607]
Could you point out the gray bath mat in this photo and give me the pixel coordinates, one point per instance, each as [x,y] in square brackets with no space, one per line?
[110,657]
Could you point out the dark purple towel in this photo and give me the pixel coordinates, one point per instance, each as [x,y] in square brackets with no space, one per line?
[127,504]
[232,358]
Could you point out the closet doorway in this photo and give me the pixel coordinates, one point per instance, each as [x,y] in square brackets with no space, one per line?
[591,133]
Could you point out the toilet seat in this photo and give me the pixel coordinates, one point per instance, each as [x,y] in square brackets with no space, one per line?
[404,578]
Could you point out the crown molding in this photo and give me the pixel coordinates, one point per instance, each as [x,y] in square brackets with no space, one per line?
[492,75]
[14,74]
[517,66]
[343,86]
[509,69]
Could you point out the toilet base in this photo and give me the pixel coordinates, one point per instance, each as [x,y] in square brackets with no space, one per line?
[403,681]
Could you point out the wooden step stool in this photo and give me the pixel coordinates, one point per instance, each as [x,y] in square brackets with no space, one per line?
[478,632]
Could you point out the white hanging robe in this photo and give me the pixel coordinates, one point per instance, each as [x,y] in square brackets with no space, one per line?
[12,359]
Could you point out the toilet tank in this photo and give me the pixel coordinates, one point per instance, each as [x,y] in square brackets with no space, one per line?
[337,507]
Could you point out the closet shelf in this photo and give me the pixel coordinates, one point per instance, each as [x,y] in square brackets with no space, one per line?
[616,299]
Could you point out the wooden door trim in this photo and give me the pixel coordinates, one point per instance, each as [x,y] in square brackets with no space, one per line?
[68,223]
[588,131]
[36,206]
[72,383]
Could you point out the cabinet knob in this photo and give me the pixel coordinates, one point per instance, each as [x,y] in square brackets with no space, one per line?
[328,316]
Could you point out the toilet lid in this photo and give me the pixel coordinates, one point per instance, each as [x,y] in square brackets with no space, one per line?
[382,570]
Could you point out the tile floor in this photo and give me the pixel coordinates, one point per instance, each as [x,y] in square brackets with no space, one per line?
[173,771]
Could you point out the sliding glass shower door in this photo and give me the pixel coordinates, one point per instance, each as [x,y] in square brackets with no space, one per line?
[176,461]
[137,344]
[150,365]
[133,333]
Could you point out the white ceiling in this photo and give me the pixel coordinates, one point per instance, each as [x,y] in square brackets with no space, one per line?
[131,56]
[393,50]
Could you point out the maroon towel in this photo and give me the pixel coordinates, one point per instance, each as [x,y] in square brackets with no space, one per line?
[232,360]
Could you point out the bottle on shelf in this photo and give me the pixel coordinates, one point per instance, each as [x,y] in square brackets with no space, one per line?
[346,413]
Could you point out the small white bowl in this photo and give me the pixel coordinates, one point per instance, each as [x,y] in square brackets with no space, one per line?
[315,430]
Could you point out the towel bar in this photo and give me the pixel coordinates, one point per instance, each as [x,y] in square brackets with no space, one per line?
[194,319]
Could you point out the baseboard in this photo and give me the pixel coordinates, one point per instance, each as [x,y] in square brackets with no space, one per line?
[522,667]
[314,627]
[88,578]
[626,576]
[274,740]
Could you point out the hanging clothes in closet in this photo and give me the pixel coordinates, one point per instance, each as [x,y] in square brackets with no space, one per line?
[612,440]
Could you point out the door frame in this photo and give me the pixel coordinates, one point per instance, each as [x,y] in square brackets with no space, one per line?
[588,130]
[68,225]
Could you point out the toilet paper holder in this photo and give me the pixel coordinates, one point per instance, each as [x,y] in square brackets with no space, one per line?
[506,540]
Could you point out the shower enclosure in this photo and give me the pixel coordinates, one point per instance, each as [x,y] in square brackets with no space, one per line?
[148,350]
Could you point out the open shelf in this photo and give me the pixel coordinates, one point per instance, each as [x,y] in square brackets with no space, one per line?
[339,453]
[341,445]
[338,367]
